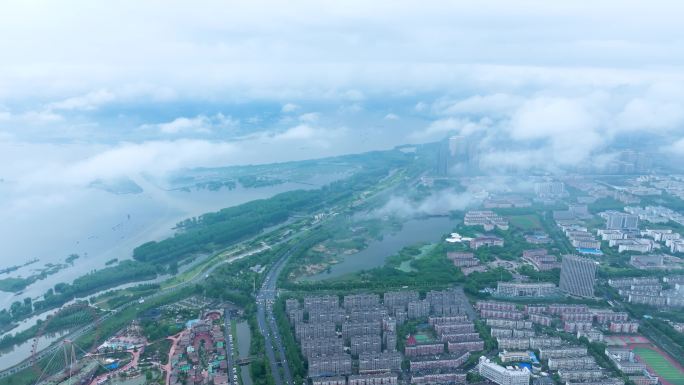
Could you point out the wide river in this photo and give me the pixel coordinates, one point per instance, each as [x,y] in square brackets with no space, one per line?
[102,226]
[110,226]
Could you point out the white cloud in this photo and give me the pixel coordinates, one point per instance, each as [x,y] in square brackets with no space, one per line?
[38,117]
[200,124]
[391,116]
[556,127]
[353,108]
[468,68]
[420,106]
[643,114]
[289,107]
[491,105]
[676,148]
[438,203]
[569,131]
[301,132]
[128,160]
[305,134]
[87,102]
[310,117]
[440,128]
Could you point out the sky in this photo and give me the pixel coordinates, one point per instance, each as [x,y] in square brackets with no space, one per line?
[92,90]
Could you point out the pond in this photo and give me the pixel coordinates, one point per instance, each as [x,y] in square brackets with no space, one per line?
[413,231]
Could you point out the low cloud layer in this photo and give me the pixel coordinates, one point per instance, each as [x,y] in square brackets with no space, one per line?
[439,203]
[212,83]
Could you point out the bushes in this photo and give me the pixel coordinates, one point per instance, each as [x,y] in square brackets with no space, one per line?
[480,280]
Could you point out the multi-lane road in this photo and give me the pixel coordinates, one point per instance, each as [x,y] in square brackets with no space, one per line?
[230,348]
[273,344]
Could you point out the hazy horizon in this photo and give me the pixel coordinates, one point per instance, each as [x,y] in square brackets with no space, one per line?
[129,90]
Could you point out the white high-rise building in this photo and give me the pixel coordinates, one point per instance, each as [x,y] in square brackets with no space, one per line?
[503,375]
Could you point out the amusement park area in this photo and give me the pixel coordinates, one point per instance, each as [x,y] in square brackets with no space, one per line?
[178,343]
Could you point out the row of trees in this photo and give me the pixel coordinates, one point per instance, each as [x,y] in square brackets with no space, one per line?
[292,351]
[126,271]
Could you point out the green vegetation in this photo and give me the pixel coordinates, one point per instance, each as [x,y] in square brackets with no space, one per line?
[14,285]
[433,270]
[485,333]
[666,200]
[605,204]
[292,352]
[157,351]
[403,331]
[10,269]
[71,258]
[213,231]
[665,336]
[481,280]
[67,318]
[406,256]
[525,222]
[342,237]
[126,271]
[253,181]
[114,298]
[156,330]
[541,276]
[214,185]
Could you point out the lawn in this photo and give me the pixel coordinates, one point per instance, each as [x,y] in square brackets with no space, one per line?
[663,368]
[525,222]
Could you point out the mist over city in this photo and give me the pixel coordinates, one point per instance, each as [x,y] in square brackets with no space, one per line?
[341,193]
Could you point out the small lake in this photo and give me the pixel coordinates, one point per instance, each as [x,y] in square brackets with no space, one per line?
[413,231]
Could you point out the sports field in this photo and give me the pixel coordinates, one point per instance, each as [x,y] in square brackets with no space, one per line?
[668,371]
[525,222]
[422,338]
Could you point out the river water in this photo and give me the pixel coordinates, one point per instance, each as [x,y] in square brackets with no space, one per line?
[100,226]
[16,354]
[244,338]
[105,231]
[413,231]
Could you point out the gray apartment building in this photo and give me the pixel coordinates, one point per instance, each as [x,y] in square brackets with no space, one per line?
[577,276]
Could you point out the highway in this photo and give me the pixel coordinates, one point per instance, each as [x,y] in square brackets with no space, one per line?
[273,345]
[268,327]
[230,351]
